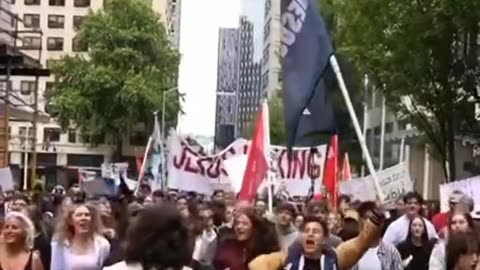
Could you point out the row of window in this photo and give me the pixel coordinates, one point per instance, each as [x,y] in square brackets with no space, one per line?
[57,3]
[54,21]
[53,44]
[53,135]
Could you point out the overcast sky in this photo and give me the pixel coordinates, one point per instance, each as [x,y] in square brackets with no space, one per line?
[200,23]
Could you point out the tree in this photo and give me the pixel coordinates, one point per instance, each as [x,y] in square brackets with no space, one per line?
[423,56]
[278,135]
[120,82]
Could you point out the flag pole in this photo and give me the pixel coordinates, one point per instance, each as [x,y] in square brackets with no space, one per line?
[141,173]
[356,125]
[365,116]
[267,146]
[382,134]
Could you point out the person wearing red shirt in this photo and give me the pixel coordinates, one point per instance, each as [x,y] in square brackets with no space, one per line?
[440,220]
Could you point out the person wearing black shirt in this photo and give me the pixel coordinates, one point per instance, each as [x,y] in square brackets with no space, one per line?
[417,248]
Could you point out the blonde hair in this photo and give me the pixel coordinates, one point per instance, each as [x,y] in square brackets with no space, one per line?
[65,231]
[27,226]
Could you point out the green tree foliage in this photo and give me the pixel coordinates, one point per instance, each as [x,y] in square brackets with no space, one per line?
[121,80]
[278,135]
[423,56]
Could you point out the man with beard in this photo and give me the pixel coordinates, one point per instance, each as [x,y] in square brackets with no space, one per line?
[397,231]
[287,232]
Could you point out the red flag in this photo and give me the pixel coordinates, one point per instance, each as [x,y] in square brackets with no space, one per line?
[331,170]
[257,162]
[346,171]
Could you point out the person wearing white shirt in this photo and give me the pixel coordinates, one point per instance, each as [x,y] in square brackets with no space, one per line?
[398,230]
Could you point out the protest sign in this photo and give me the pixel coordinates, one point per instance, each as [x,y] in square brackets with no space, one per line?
[115,171]
[189,170]
[394,182]
[6,179]
[469,186]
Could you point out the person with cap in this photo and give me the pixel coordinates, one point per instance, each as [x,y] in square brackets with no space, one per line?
[440,220]
[287,232]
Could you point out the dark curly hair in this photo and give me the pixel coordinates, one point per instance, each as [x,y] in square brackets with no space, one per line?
[264,239]
[159,239]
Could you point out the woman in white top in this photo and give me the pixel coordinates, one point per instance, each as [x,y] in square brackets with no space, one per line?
[77,243]
[459,221]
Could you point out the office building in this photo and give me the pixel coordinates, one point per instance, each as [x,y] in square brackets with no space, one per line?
[227,86]
[61,153]
[271,63]
[426,170]
[250,92]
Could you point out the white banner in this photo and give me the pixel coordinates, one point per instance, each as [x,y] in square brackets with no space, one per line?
[394,182]
[469,186]
[191,171]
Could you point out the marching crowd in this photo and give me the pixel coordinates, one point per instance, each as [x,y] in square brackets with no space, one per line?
[68,230]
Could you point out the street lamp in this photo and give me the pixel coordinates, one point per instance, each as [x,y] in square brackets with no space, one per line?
[164,175]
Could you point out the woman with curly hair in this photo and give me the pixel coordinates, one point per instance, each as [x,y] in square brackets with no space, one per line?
[19,233]
[77,243]
[158,239]
[254,236]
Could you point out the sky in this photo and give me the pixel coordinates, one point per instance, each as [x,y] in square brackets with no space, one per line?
[200,23]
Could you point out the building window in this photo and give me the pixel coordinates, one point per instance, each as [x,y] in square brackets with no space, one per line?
[27,87]
[95,139]
[48,89]
[32,2]
[56,21]
[60,3]
[377,131]
[138,138]
[81,3]
[55,44]
[79,45]
[72,136]
[265,79]
[51,134]
[77,22]
[31,20]
[402,125]
[266,55]
[31,43]
[388,128]
[266,30]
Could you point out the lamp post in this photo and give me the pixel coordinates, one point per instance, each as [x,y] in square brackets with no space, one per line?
[164,175]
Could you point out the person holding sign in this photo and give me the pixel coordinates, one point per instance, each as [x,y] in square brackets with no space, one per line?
[397,231]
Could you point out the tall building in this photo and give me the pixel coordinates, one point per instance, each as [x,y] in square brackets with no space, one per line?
[271,63]
[227,86]
[60,153]
[250,92]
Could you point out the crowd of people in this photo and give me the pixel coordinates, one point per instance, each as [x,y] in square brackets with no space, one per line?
[68,230]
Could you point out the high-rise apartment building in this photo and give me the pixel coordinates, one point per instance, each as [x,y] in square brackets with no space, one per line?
[227,86]
[60,153]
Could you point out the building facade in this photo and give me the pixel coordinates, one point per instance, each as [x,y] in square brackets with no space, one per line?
[271,63]
[227,86]
[426,170]
[60,153]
